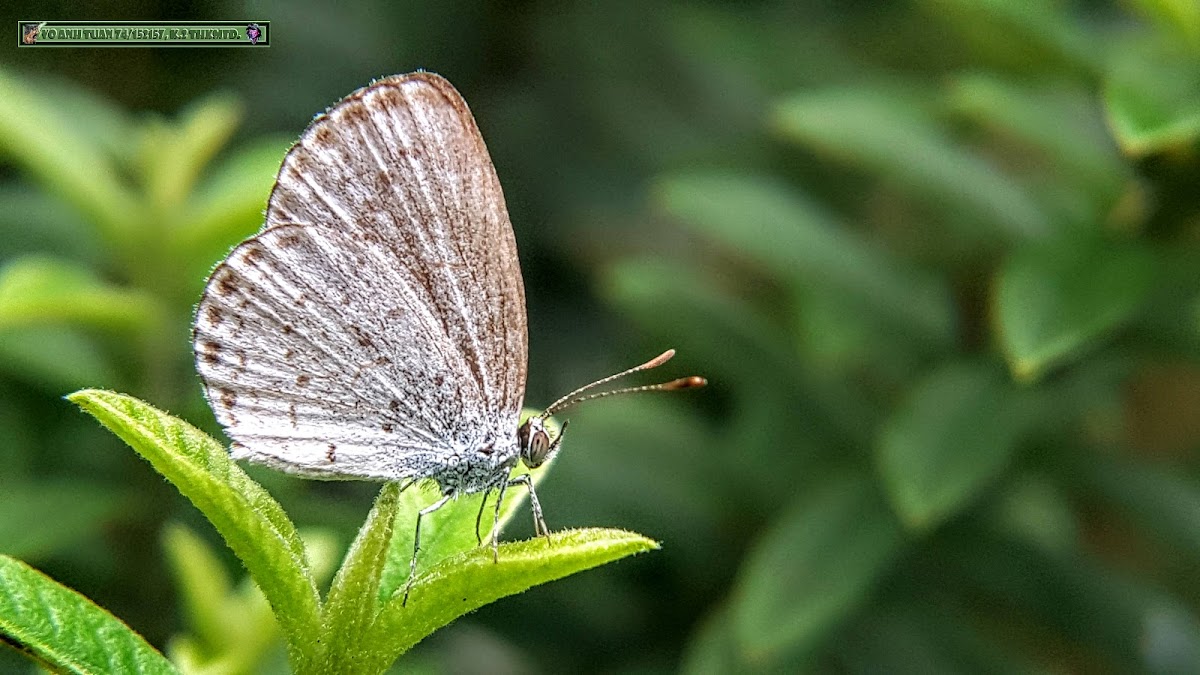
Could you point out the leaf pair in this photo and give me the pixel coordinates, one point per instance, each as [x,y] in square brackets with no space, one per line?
[363,625]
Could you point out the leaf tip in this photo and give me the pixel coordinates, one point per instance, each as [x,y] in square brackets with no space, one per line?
[83,397]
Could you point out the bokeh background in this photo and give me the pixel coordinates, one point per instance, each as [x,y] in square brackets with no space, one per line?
[940,260]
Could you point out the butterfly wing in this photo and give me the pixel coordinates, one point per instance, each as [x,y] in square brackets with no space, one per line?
[376,326]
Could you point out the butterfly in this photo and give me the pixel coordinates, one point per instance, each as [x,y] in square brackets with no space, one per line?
[375,327]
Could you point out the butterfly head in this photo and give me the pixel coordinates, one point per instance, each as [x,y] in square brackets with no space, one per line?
[534,441]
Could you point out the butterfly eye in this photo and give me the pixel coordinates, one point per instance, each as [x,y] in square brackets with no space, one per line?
[535,453]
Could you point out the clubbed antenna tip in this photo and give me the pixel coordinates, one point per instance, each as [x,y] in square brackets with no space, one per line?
[576,396]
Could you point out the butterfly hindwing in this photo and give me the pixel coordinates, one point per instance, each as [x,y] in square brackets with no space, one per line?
[381,309]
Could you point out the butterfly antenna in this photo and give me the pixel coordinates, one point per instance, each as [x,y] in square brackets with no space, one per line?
[575,397]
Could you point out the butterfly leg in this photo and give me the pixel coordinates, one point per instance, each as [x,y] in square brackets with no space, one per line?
[539,522]
[479,517]
[412,565]
[496,522]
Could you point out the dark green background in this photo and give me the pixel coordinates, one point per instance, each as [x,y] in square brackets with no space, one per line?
[940,260]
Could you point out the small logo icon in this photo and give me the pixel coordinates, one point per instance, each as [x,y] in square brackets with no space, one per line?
[29,32]
[253,31]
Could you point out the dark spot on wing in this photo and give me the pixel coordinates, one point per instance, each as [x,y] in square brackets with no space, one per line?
[209,350]
[388,427]
[382,360]
[290,240]
[488,449]
[302,380]
[300,161]
[227,398]
[356,111]
[394,405]
[252,254]
[226,284]
[361,336]
[214,314]
[323,134]
[330,453]
[288,353]
[287,329]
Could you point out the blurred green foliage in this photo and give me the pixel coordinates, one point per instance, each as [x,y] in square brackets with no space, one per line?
[938,259]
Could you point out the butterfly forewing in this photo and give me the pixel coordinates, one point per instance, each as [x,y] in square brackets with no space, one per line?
[376,326]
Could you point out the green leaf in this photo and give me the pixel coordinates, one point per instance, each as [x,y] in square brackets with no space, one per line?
[353,599]
[35,135]
[1058,122]
[97,118]
[247,517]
[1040,36]
[450,531]
[1035,510]
[231,629]
[471,580]
[204,587]
[66,631]
[1152,97]
[174,156]
[1052,301]
[714,650]
[36,289]
[812,568]
[78,509]
[768,222]
[956,432]
[894,136]
[1182,16]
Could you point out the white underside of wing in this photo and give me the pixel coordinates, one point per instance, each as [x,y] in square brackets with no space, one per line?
[376,327]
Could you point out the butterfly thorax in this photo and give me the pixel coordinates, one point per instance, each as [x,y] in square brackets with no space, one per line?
[477,470]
